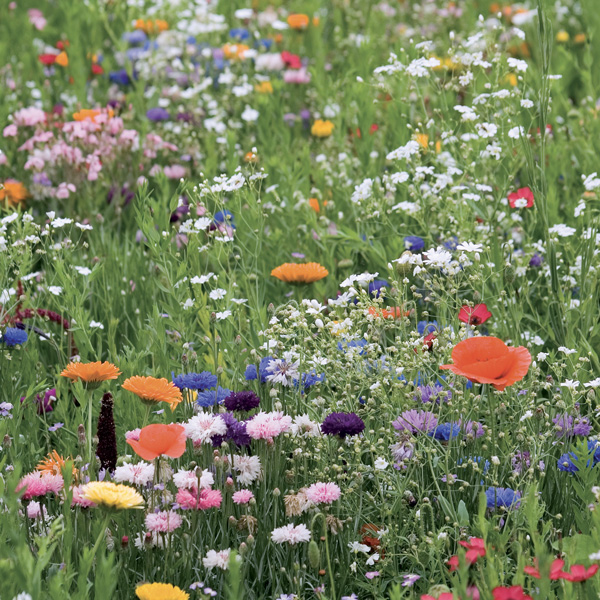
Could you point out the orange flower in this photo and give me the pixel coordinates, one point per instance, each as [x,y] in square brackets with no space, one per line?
[235,51]
[62,59]
[157,440]
[13,192]
[314,204]
[298,21]
[92,374]
[393,312]
[305,273]
[151,390]
[90,113]
[489,360]
[53,463]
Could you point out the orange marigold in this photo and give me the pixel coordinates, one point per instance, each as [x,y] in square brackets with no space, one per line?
[92,374]
[151,390]
[13,192]
[303,273]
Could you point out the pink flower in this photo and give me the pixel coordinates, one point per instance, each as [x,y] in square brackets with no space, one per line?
[175,171]
[134,434]
[202,500]
[372,574]
[323,493]
[36,18]
[29,116]
[290,534]
[164,522]
[34,510]
[39,484]
[242,497]
[10,130]
[266,426]
[296,76]
[79,499]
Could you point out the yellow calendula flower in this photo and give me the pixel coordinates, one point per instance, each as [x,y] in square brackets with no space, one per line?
[160,591]
[321,128]
[112,496]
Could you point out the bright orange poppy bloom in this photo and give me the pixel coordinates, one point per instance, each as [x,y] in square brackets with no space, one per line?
[156,440]
[151,390]
[298,21]
[304,273]
[489,360]
[92,374]
[13,192]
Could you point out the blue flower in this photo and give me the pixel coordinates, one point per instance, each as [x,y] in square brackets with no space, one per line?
[310,379]
[451,244]
[225,216]
[502,497]
[427,327]
[135,37]
[239,33]
[569,462]
[212,397]
[445,431]
[250,373]
[195,381]
[376,286]
[121,77]
[13,336]
[345,344]
[414,243]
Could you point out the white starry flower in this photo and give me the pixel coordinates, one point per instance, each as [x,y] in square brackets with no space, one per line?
[217,294]
[82,270]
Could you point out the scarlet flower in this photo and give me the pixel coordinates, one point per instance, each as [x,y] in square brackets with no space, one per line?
[47,59]
[475,548]
[580,573]
[291,60]
[157,440]
[510,593]
[489,360]
[453,562]
[97,69]
[522,198]
[555,569]
[474,315]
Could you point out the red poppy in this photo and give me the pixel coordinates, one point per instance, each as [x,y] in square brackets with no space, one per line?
[580,573]
[555,569]
[428,340]
[522,198]
[47,59]
[514,592]
[474,315]
[489,360]
[291,60]
[156,440]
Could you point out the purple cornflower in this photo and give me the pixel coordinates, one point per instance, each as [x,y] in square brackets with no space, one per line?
[472,429]
[236,432]
[433,393]
[342,424]
[567,427]
[402,451]
[416,421]
[44,401]
[157,114]
[5,408]
[245,400]
[536,260]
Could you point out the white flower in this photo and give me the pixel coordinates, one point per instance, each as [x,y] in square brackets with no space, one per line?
[248,468]
[542,356]
[250,114]
[372,559]
[519,65]
[591,182]
[140,473]
[439,257]
[223,315]
[486,130]
[304,426]
[189,479]
[566,350]
[594,555]
[358,547]
[291,534]
[406,151]
[526,103]
[82,270]
[283,370]
[217,294]
[188,304]
[61,222]
[594,383]
[516,132]
[381,464]
[55,289]
[469,247]
[96,325]
[562,230]
[203,426]
[217,559]
[570,384]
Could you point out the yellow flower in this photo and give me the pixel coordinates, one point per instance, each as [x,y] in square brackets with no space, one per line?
[112,496]
[423,140]
[264,87]
[160,591]
[511,79]
[322,129]
[562,36]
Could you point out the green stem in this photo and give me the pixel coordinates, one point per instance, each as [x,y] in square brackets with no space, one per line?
[89,427]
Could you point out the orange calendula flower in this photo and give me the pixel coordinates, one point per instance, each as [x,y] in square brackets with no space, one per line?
[304,273]
[298,21]
[13,192]
[151,26]
[92,374]
[157,440]
[314,204]
[489,360]
[321,128]
[151,390]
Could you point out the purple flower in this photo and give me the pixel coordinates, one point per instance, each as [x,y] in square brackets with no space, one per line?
[245,400]
[566,427]
[44,402]
[433,393]
[56,426]
[472,429]
[342,424]
[410,579]
[416,421]
[402,451]
[236,432]
[5,408]
[157,114]
[536,260]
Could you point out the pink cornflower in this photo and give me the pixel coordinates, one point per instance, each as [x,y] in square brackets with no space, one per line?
[164,522]
[242,497]
[202,500]
[141,473]
[266,426]
[79,499]
[39,484]
[323,493]
[35,510]
[190,480]
[291,534]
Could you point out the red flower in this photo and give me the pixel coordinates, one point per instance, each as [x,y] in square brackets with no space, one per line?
[47,59]
[489,360]
[475,548]
[452,562]
[510,593]
[580,573]
[555,569]
[291,60]
[522,198]
[97,69]
[474,315]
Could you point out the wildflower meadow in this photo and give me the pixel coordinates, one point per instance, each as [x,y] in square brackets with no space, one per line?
[299,299]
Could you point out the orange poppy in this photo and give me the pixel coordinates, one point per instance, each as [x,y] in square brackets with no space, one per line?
[156,440]
[151,390]
[303,273]
[13,192]
[393,312]
[298,21]
[92,374]
[489,360]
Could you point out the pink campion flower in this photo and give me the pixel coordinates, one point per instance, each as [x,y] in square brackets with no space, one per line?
[39,484]
[242,497]
[522,198]
[175,171]
[10,130]
[36,18]
[323,493]
[79,499]
[296,76]
[29,116]
[202,500]
[291,534]
[64,190]
[163,522]
[266,426]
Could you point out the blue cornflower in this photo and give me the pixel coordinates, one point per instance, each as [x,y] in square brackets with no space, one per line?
[195,381]
[239,33]
[502,497]
[569,461]
[345,344]
[13,336]
[376,286]
[427,327]
[451,244]
[250,373]
[212,397]
[135,37]
[445,431]
[309,379]
[414,243]
[224,215]
[121,77]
